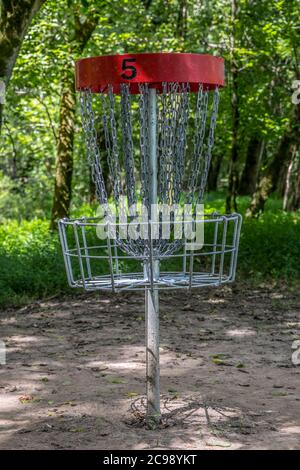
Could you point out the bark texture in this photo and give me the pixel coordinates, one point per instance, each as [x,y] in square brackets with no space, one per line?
[64,160]
[268,182]
[250,172]
[15,18]
[213,175]
[233,169]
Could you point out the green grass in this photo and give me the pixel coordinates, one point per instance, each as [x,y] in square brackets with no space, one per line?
[31,262]
[32,265]
[270,244]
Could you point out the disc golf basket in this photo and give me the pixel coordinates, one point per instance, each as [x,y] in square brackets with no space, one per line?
[149,122]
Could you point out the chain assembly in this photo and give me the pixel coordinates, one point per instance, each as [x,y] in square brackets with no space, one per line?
[185,138]
[93,153]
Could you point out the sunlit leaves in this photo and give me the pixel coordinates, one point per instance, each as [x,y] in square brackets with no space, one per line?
[266,50]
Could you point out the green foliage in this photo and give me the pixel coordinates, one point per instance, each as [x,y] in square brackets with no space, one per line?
[266,51]
[270,245]
[32,264]
[267,54]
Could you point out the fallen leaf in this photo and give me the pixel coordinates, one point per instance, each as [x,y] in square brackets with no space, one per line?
[76,430]
[26,399]
[217,443]
[67,382]
[187,307]
[172,390]
[99,369]
[220,362]
[117,381]
[279,394]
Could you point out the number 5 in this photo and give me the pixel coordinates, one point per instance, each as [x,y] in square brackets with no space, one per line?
[132,69]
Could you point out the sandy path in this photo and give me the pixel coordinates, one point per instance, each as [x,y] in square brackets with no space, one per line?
[74,376]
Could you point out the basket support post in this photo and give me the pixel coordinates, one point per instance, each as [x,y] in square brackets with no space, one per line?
[152,357]
[151,294]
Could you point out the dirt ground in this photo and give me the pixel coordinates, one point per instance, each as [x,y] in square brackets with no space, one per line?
[74,377]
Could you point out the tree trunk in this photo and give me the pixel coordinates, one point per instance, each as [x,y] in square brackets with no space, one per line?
[282,178]
[269,180]
[287,185]
[250,171]
[92,190]
[64,165]
[104,163]
[233,170]
[213,175]
[295,201]
[15,18]
[182,19]
[104,166]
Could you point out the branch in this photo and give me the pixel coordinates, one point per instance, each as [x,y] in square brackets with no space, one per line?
[49,117]
[16,16]
[15,154]
[84,29]
[147,4]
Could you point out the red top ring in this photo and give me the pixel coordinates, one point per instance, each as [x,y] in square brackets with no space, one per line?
[96,73]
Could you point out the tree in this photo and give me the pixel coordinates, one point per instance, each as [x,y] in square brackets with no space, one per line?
[15,18]
[288,180]
[212,181]
[284,154]
[233,170]
[250,172]
[295,200]
[265,60]
[283,42]
[182,19]
[83,29]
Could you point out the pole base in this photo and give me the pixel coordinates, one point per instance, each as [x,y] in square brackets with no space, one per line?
[153,415]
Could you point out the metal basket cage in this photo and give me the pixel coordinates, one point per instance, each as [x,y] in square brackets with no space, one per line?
[95,264]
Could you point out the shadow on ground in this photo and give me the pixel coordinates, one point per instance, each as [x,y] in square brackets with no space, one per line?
[75,368]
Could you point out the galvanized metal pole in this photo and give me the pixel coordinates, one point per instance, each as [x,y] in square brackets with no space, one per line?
[151,295]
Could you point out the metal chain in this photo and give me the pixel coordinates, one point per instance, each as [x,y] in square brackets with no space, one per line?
[89,128]
[210,143]
[144,143]
[200,126]
[168,123]
[127,144]
[180,141]
[111,142]
[173,117]
[172,147]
